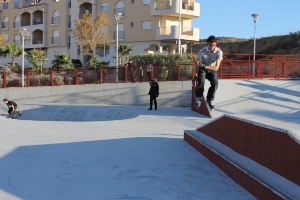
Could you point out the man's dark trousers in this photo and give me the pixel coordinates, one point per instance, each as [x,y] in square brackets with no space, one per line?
[212,77]
[153,98]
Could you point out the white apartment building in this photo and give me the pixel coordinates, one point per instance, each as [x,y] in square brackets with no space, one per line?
[148,26]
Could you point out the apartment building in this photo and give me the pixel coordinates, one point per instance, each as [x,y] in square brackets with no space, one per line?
[148,26]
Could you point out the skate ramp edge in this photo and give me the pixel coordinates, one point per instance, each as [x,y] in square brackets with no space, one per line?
[263,159]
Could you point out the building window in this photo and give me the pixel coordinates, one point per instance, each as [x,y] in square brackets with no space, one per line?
[104,6]
[131,25]
[146,2]
[132,1]
[146,25]
[78,50]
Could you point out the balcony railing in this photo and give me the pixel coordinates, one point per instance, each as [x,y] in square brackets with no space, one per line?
[119,10]
[55,20]
[37,21]
[165,30]
[54,40]
[37,41]
[16,25]
[4,25]
[163,5]
[27,42]
[25,23]
[120,35]
[188,5]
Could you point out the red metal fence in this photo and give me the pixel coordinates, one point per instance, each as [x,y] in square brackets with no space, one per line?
[240,66]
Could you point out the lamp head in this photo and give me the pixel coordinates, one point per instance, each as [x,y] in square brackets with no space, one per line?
[255,17]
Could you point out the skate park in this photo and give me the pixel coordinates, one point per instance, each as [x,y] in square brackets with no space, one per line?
[100,141]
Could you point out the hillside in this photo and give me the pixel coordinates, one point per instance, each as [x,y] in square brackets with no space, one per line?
[286,44]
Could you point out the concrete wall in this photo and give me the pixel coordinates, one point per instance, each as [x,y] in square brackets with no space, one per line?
[175,93]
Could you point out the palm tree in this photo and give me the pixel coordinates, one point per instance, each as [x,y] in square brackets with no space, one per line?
[62,61]
[124,49]
[11,50]
[37,57]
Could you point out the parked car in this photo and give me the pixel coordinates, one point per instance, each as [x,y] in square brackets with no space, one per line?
[76,63]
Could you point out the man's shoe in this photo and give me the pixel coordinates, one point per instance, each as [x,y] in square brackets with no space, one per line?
[20,113]
[198,102]
[150,109]
[210,105]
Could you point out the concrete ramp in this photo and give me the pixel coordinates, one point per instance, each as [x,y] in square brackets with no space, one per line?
[276,99]
[263,159]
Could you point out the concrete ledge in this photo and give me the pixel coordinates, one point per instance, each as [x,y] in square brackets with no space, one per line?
[256,179]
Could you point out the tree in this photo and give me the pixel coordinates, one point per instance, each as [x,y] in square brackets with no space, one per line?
[62,61]
[11,50]
[92,34]
[37,57]
[2,39]
[124,50]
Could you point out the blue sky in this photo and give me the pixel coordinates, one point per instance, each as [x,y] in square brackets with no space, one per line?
[232,18]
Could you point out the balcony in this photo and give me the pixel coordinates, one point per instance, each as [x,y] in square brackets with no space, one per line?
[172,33]
[4,25]
[120,35]
[25,23]
[37,21]
[171,8]
[55,40]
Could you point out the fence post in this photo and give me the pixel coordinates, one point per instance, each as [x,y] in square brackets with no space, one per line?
[151,73]
[51,78]
[193,67]
[258,68]
[76,76]
[284,67]
[4,79]
[126,74]
[221,74]
[178,72]
[100,75]
[28,78]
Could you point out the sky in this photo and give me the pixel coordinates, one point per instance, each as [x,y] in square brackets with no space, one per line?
[232,18]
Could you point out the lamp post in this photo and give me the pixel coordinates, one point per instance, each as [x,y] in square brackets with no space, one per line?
[255,18]
[179,33]
[23,33]
[117,17]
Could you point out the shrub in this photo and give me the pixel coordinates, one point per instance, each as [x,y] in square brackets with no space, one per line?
[58,80]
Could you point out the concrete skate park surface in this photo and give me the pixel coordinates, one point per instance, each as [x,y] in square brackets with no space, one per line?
[67,149]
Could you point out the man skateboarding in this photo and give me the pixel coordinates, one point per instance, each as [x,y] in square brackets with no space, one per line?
[12,108]
[209,60]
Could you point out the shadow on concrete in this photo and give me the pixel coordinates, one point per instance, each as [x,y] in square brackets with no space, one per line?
[90,113]
[130,168]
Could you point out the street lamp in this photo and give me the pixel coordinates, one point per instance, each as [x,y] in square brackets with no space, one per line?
[117,17]
[24,34]
[255,18]
[179,34]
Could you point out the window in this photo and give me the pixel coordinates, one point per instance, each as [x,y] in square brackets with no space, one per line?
[104,6]
[132,1]
[6,38]
[131,25]
[146,2]
[69,42]
[146,25]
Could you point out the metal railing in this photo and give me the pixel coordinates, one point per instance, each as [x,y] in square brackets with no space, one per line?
[25,22]
[4,25]
[119,10]
[16,25]
[163,5]
[54,40]
[55,20]
[37,21]
[268,67]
